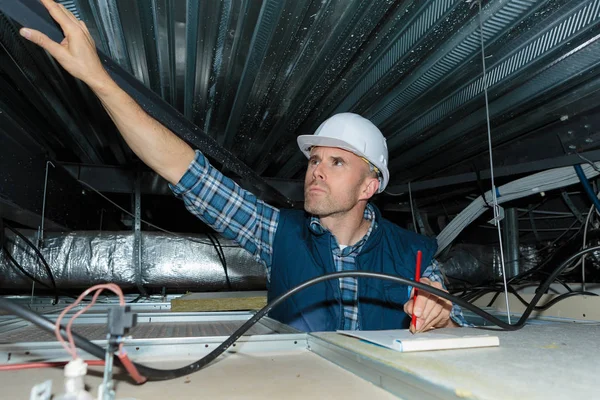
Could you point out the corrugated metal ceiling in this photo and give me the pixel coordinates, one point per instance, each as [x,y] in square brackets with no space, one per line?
[254,74]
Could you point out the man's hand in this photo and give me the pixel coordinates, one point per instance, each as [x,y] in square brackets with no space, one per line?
[77,52]
[431,311]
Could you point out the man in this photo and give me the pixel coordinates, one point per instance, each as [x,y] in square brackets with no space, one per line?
[340,230]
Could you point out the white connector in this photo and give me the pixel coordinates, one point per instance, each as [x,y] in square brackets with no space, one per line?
[75,372]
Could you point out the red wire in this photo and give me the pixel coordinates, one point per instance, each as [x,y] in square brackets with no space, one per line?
[129,366]
[13,367]
[72,350]
[131,369]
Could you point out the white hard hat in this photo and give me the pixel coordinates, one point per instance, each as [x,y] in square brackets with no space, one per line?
[353,133]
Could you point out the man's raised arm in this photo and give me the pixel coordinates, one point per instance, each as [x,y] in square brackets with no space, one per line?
[157,147]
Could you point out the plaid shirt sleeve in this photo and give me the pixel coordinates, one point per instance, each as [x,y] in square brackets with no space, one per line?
[434,274]
[234,212]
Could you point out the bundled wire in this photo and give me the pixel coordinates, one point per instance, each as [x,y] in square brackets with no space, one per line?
[97,289]
[533,184]
[70,346]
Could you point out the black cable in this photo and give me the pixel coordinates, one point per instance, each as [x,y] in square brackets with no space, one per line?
[41,257]
[23,270]
[28,275]
[155,374]
[493,299]
[224,261]
[33,278]
[562,297]
[221,256]
[558,280]
[550,258]
[480,186]
[537,308]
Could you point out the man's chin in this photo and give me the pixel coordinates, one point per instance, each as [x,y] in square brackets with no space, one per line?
[311,209]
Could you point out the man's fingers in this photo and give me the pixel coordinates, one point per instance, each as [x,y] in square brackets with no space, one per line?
[429,309]
[435,311]
[58,14]
[84,27]
[430,304]
[69,14]
[421,303]
[408,307]
[43,41]
[442,316]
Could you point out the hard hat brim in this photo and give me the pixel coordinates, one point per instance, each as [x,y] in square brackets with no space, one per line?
[306,142]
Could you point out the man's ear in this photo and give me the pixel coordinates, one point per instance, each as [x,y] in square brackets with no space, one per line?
[371,187]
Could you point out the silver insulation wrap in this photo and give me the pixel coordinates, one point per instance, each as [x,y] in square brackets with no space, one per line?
[478,263]
[177,263]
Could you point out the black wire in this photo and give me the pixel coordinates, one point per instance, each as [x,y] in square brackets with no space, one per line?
[224,261]
[562,297]
[41,257]
[563,283]
[221,256]
[23,270]
[537,308]
[33,278]
[538,268]
[155,374]
[480,186]
[493,299]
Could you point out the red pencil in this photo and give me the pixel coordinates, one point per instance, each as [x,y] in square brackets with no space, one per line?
[417,279]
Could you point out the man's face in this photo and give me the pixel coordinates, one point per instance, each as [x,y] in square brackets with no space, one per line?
[335,181]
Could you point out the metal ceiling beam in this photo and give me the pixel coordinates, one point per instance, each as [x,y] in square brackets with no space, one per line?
[113,179]
[32,14]
[523,168]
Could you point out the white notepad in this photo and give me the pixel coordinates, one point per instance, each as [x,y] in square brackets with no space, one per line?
[403,340]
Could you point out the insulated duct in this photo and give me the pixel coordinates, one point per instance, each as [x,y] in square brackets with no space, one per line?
[475,263]
[177,263]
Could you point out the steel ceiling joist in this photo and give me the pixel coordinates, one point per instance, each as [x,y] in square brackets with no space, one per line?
[112,179]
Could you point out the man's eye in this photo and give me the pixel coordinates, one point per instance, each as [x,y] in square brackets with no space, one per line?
[338,163]
[313,161]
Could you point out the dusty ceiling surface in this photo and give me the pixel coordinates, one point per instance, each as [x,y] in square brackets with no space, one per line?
[241,79]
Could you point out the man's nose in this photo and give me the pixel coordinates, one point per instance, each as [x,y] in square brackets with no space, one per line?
[318,172]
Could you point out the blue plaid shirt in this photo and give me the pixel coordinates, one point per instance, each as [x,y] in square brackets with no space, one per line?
[239,215]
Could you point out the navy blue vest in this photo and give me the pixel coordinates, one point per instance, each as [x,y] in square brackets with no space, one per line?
[299,255]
